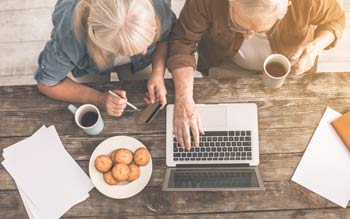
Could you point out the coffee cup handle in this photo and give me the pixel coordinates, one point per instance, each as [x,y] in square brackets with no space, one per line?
[72,108]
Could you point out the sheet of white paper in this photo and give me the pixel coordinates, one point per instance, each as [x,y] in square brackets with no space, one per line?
[59,182]
[32,211]
[325,165]
[19,144]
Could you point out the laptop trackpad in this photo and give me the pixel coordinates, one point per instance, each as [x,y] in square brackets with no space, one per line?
[214,118]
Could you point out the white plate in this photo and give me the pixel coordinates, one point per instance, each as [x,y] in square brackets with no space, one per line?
[124,189]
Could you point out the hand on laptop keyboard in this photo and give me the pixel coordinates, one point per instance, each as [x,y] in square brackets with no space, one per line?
[186,121]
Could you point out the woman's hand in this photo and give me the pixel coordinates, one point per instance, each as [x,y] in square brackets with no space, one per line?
[113,105]
[156,90]
[306,56]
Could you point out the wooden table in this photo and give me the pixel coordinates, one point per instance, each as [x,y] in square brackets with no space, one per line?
[287,119]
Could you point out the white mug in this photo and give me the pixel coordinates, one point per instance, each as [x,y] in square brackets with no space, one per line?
[275,82]
[93,123]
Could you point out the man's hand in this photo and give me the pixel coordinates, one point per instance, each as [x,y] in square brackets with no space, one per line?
[307,55]
[186,121]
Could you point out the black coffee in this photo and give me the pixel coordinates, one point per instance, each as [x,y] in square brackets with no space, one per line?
[89,119]
[276,69]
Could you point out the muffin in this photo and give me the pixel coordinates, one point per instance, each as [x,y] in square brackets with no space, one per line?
[108,178]
[123,156]
[103,163]
[142,156]
[120,172]
[134,171]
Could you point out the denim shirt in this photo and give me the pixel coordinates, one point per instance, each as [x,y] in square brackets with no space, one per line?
[63,53]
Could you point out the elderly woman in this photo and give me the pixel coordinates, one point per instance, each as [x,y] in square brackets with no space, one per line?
[95,36]
[245,32]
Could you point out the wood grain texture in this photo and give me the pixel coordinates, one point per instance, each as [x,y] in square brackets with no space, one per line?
[287,119]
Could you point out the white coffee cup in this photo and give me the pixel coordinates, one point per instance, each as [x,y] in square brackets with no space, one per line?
[93,123]
[273,81]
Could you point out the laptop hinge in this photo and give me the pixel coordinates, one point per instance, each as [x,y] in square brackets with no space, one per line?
[212,165]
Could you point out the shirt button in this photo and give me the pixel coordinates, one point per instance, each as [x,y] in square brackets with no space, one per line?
[42,66]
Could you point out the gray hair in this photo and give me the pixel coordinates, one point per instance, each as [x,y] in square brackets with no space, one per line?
[254,6]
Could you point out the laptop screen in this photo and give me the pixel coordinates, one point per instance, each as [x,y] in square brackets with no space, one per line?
[213,178]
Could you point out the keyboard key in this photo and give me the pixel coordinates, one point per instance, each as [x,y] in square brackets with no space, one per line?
[177,155]
[189,155]
[215,158]
[248,139]
[233,143]
[176,150]
[206,154]
[237,133]
[201,144]
[219,133]
[209,139]
[198,158]
[218,149]
[239,143]
[227,154]
[183,154]
[244,154]
[212,144]
[233,154]
[217,143]
[249,154]
[238,154]
[248,133]
[224,149]
[215,139]
[221,158]
[202,149]
[230,138]
[240,149]
[228,143]
[249,158]
[236,139]
[230,149]
[242,133]
[231,133]
[246,143]
[192,149]
[216,154]
[181,159]
[196,149]
[207,149]
[222,144]
[207,144]
[181,150]
[211,154]
[200,154]
[226,158]
[213,149]
[176,159]
[222,154]
[247,148]
[203,158]
[192,158]
[220,138]
[195,155]
[241,138]
[225,138]
[235,149]
[187,158]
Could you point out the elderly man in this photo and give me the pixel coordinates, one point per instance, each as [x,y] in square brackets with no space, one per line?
[244,32]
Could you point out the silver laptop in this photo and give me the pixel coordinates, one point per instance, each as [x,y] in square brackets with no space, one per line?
[228,155]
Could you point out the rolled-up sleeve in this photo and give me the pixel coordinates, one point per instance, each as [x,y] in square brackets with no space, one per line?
[53,65]
[188,31]
[167,19]
[328,15]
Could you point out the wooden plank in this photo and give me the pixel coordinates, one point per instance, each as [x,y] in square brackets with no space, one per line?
[282,114]
[6,5]
[18,26]
[274,167]
[152,201]
[19,59]
[325,85]
[295,214]
[80,147]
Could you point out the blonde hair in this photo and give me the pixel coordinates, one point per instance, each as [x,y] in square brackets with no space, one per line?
[261,6]
[115,27]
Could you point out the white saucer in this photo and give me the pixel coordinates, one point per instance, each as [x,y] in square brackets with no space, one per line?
[124,189]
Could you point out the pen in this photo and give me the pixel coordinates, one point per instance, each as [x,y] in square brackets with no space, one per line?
[129,104]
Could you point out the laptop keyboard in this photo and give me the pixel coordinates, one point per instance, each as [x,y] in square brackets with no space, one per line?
[223,145]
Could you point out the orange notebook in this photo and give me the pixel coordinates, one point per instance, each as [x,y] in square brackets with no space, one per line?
[342,126]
